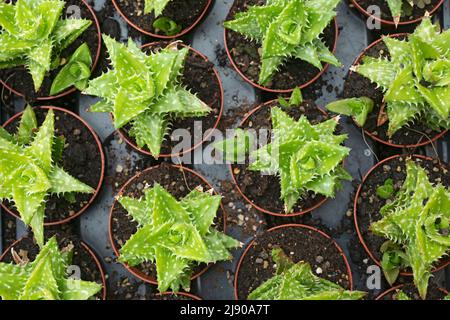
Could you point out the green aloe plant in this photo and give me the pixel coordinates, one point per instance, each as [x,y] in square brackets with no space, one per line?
[45,278]
[30,169]
[34,34]
[415,78]
[401,8]
[156,6]
[296,281]
[287,29]
[176,235]
[416,225]
[306,157]
[144,91]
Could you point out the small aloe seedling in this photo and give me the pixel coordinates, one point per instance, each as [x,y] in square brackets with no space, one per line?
[34,34]
[144,91]
[296,281]
[30,170]
[416,223]
[287,29]
[45,278]
[401,8]
[176,235]
[358,108]
[306,157]
[415,78]
[156,6]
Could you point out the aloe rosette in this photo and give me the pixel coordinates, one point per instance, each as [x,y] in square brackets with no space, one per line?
[416,225]
[45,278]
[414,79]
[30,169]
[144,91]
[175,235]
[287,29]
[34,34]
[296,281]
[306,157]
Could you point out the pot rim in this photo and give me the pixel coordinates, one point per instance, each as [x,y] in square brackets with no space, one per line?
[292,225]
[137,273]
[102,159]
[180,293]
[391,290]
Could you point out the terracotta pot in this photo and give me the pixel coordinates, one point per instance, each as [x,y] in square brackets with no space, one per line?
[184,294]
[391,22]
[341,252]
[355,214]
[376,138]
[276,214]
[102,172]
[137,273]
[393,289]
[129,141]
[72,89]
[86,247]
[154,35]
[279,91]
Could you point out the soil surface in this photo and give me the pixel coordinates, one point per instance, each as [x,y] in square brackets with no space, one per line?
[300,244]
[358,86]
[264,190]
[178,183]
[27,249]
[386,13]
[245,54]
[199,77]
[81,159]
[184,12]
[173,297]
[433,293]
[20,79]
[369,204]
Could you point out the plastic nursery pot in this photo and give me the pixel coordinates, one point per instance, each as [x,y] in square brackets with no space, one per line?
[361,9]
[98,145]
[149,23]
[83,245]
[247,79]
[358,216]
[320,200]
[326,247]
[387,295]
[422,139]
[218,106]
[98,43]
[163,174]
[174,296]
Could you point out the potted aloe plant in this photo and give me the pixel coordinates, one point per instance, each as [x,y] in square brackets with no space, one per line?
[44,278]
[282,44]
[406,77]
[35,181]
[146,97]
[38,43]
[163,18]
[300,256]
[409,292]
[299,167]
[403,223]
[398,12]
[166,226]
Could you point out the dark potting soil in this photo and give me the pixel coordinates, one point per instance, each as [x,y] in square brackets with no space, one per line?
[358,86]
[245,54]
[184,12]
[27,249]
[433,293]
[81,159]
[264,190]
[172,297]
[20,79]
[386,13]
[369,204]
[177,183]
[300,244]
[199,77]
